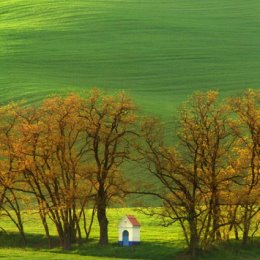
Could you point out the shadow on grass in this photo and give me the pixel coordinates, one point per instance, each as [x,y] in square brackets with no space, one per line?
[143,251]
[33,241]
[231,250]
[146,250]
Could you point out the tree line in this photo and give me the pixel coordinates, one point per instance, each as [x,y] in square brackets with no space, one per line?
[66,157]
[211,173]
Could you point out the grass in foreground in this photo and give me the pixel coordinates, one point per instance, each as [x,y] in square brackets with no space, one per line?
[157,243]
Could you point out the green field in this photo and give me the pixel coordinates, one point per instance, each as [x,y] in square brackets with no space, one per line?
[159,51]
[154,240]
[157,242]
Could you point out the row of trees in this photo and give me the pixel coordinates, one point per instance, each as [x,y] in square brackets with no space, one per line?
[211,174]
[66,157]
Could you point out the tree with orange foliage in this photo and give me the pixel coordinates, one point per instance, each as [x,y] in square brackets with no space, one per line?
[193,172]
[246,128]
[11,186]
[109,123]
[52,152]
[205,130]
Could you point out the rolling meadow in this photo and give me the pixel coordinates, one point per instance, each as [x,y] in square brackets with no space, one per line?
[159,52]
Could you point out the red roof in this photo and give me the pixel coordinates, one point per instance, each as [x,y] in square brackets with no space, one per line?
[133,221]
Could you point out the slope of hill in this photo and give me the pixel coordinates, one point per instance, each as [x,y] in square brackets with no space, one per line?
[159,51]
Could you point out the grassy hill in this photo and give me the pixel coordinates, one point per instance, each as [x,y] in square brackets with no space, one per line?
[159,51]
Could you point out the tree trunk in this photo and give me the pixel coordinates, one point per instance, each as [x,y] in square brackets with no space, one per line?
[194,240]
[21,229]
[245,236]
[103,225]
[236,232]
[63,236]
[216,231]
[102,217]
[88,230]
[66,244]
[216,213]
[246,224]
[46,228]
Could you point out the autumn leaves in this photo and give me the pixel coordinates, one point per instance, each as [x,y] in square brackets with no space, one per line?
[66,156]
[211,174]
[67,153]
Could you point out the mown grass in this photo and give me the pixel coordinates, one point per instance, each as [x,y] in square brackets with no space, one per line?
[157,243]
[159,51]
